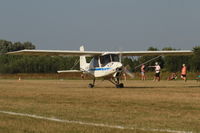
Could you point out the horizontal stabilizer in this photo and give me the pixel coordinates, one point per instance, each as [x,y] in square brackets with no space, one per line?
[69,71]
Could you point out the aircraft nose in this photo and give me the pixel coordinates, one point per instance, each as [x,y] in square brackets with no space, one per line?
[119,67]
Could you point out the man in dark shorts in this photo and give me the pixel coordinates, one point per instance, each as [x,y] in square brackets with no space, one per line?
[183,72]
[157,72]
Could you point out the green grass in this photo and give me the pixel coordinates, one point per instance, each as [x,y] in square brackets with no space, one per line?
[145,105]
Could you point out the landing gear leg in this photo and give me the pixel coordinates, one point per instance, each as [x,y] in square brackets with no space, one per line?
[91,85]
[116,82]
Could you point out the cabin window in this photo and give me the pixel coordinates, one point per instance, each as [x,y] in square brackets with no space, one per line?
[115,57]
[105,59]
[95,61]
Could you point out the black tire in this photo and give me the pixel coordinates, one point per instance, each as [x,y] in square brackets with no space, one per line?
[90,85]
[121,85]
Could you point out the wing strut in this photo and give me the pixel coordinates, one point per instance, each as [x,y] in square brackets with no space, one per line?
[76,62]
[148,61]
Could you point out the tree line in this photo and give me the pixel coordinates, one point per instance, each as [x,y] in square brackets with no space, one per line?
[167,63]
[10,64]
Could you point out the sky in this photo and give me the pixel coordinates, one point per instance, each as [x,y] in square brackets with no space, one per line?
[102,24]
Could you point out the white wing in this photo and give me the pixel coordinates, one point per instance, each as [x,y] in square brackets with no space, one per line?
[94,53]
[55,52]
[152,53]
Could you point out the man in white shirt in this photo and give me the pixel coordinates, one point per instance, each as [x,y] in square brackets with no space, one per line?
[157,72]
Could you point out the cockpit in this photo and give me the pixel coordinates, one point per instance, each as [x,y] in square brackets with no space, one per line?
[101,61]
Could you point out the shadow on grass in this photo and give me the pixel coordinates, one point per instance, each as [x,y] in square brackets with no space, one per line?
[159,87]
[130,87]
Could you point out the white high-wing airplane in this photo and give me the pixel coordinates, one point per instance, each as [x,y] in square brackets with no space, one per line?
[103,64]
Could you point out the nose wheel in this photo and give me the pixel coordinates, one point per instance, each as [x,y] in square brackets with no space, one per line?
[116,82]
[90,85]
[121,85]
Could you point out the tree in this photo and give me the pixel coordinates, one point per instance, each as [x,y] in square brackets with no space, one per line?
[14,64]
[195,59]
[171,63]
[48,64]
[7,46]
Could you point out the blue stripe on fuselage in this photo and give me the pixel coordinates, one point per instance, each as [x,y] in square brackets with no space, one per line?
[99,69]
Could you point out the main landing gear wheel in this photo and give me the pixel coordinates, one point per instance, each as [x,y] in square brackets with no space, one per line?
[90,85]
[121,85]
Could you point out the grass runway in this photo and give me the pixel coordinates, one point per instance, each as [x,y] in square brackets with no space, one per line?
[141,107]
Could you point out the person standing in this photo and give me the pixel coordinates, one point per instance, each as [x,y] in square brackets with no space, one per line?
[184,72]
[142,69]
[157,72]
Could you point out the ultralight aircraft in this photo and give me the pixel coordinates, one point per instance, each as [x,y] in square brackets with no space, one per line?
[106,65]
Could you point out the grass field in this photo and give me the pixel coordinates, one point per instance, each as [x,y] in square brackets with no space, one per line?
[141,107]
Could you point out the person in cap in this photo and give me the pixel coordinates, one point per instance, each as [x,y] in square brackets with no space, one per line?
[157,72]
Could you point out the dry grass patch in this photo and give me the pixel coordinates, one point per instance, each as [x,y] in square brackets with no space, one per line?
[156,105]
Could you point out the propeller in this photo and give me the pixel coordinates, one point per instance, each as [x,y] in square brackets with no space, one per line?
[126,71]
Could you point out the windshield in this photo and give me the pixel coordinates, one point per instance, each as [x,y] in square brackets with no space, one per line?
[115,57]
[105,59]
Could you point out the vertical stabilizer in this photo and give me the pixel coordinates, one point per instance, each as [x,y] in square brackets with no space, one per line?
[83,63]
